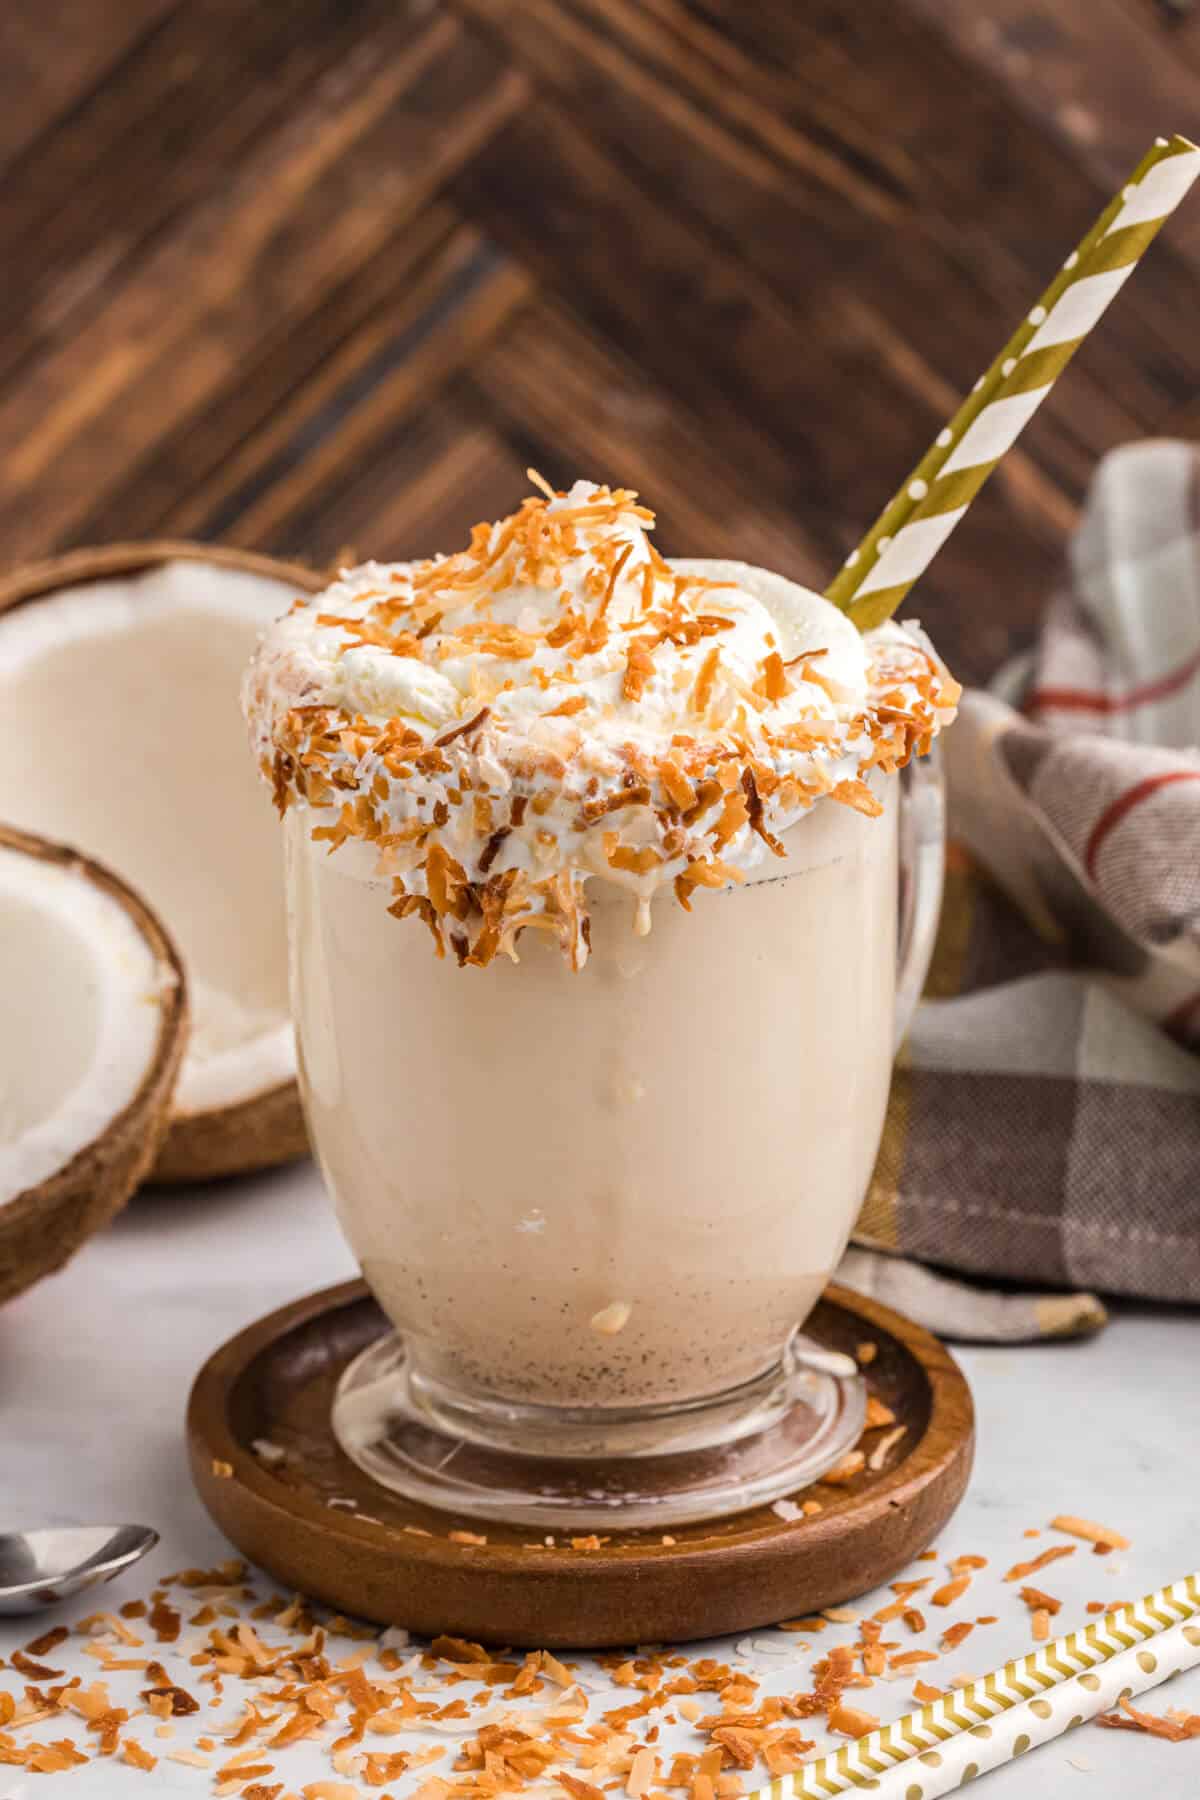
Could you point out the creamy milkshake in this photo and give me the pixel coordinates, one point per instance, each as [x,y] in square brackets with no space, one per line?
[620,1185]
[593,889]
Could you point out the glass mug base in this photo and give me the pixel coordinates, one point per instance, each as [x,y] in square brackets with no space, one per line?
[591,1468]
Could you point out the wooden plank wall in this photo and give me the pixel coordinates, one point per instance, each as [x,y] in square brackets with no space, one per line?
[333,273]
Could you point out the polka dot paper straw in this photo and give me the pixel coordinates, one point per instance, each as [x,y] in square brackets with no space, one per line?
[1014,1709]
[911,530]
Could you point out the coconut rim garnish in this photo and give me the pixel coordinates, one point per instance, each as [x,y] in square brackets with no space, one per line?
[558,703]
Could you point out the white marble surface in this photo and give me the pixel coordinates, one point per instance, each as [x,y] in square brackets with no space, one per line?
[95,1366]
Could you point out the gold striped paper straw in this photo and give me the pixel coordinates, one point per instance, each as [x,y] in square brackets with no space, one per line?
[916,523]
[1003,1714]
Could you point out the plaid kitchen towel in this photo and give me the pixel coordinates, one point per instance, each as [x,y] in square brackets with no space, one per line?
[1044,1124]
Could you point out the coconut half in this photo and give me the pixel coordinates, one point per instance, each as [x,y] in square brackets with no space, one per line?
[120,733]
[95,1023]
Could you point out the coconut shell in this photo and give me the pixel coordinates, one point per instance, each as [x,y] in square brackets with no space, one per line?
[266,1128]
[257,1134]
[43,1227]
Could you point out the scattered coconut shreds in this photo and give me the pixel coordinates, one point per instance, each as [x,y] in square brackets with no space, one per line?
[1036,1601]
[852,1722]
[851,1465]
[883,1449]
[1089,1531]
[261,1672]
[950,1591]
[1175,1726]
[1020,1570]
[268,1453]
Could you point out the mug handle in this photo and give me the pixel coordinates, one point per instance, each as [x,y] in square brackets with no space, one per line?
[922,874]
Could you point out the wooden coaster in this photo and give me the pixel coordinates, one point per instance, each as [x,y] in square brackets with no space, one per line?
[317,1524]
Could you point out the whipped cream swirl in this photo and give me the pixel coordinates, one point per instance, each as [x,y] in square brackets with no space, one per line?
[558,702]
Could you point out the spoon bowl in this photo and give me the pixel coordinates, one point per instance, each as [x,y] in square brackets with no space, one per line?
[39,1569]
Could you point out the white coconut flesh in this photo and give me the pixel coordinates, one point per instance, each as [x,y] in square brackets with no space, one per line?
[82,1016]
[120,733]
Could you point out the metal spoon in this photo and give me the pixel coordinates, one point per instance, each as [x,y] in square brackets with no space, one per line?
[39,1569]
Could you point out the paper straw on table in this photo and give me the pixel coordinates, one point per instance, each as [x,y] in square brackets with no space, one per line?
[1014,1709]
[916,523]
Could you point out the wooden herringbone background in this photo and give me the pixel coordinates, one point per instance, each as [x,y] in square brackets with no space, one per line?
[333,272]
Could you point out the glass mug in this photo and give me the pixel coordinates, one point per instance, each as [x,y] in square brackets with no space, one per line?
[597,1206]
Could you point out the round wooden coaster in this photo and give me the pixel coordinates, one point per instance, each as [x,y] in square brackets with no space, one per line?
[317,1524]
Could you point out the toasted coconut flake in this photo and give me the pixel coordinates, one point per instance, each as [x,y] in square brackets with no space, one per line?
[459,1650]
[612,1318]
[858,795]
[1089,1531]
[25,1665]
[1175,1727]
[851,1465]
[878,1457]
[1020,1570]
[1035,1600]
[849,1721]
